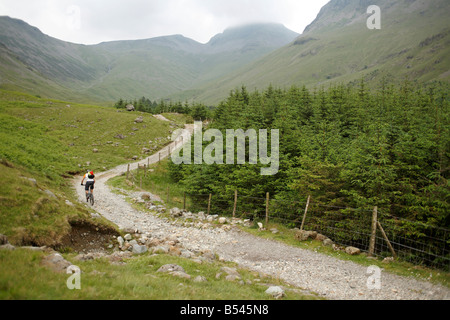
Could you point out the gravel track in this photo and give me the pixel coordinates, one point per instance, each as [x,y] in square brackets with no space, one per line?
[329,277]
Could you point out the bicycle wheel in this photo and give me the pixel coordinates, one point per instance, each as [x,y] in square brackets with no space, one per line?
[92,199]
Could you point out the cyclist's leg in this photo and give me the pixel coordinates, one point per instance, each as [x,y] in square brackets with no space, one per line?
[86,188]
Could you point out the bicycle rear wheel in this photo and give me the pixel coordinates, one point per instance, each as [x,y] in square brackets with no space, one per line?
[92,199]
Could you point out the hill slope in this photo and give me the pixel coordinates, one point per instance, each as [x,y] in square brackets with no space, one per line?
[34,62]
[338,47]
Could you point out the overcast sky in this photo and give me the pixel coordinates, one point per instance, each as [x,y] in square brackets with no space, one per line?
[95,21]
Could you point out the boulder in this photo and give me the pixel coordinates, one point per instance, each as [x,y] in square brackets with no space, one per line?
[130,107]
[171,268]
[138,249]
[128,237]
[222,220]
[231,272]
[352,251]
[200,279]
[56,262]
[175,212]
[303,235]
[180,274]
[321,237]
[139,119]
[276,292]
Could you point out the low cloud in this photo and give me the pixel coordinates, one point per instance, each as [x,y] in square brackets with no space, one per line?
[90,22]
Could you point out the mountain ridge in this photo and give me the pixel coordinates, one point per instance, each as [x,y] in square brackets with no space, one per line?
[338,47]
[154,67]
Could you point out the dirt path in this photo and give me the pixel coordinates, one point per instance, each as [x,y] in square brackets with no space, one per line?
[329,277]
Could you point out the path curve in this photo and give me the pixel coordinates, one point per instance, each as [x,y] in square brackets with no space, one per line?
[329,277]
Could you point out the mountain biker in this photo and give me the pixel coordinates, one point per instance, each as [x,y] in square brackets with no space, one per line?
[90,181]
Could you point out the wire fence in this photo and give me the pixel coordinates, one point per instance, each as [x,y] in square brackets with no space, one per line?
[411,241]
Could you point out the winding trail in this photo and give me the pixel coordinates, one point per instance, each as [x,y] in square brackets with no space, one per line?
[329,277]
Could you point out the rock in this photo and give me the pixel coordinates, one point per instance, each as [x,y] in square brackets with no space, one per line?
[7,246]
[56,262]
[186,254]
[201,215]
[260,226]
[139,119]
[69,203]
[180,274]
[161,249]
[130,107]
[222,220]
[200,279]
[248,223]
[121,241]
[128,237]
[232,273]
[352,251]
[138,249]
[232,277]
[208,255]
[50,194]
[176,212]
[388,260]
[321,237]
[303,235]
[170,268]
[327,242]
[276,292]
[95,150]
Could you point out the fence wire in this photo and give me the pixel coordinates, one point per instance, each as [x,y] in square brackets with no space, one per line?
[412,241]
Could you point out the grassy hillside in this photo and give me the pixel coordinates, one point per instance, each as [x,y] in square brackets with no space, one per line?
[48,141]
[36,63]
[339,48]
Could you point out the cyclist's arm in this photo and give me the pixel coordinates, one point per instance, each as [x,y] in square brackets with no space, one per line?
[83,179]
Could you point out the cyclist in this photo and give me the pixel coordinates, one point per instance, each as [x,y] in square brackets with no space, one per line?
[90,181]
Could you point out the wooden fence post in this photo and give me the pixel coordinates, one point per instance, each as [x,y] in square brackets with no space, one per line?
[209,204]
[235,203]
[387,240]
[267,207]
[128,171]
[304,215]
[184,200]
[374,230]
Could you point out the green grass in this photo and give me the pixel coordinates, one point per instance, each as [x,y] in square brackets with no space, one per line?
[157,181]
[50,141]
[23,277]
[64,135]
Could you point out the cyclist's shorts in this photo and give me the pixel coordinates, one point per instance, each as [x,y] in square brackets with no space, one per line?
[89,184]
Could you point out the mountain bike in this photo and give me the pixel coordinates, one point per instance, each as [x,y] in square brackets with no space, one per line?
[89,196]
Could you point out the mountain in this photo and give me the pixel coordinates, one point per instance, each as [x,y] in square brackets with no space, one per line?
[34,62]
[338,47]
